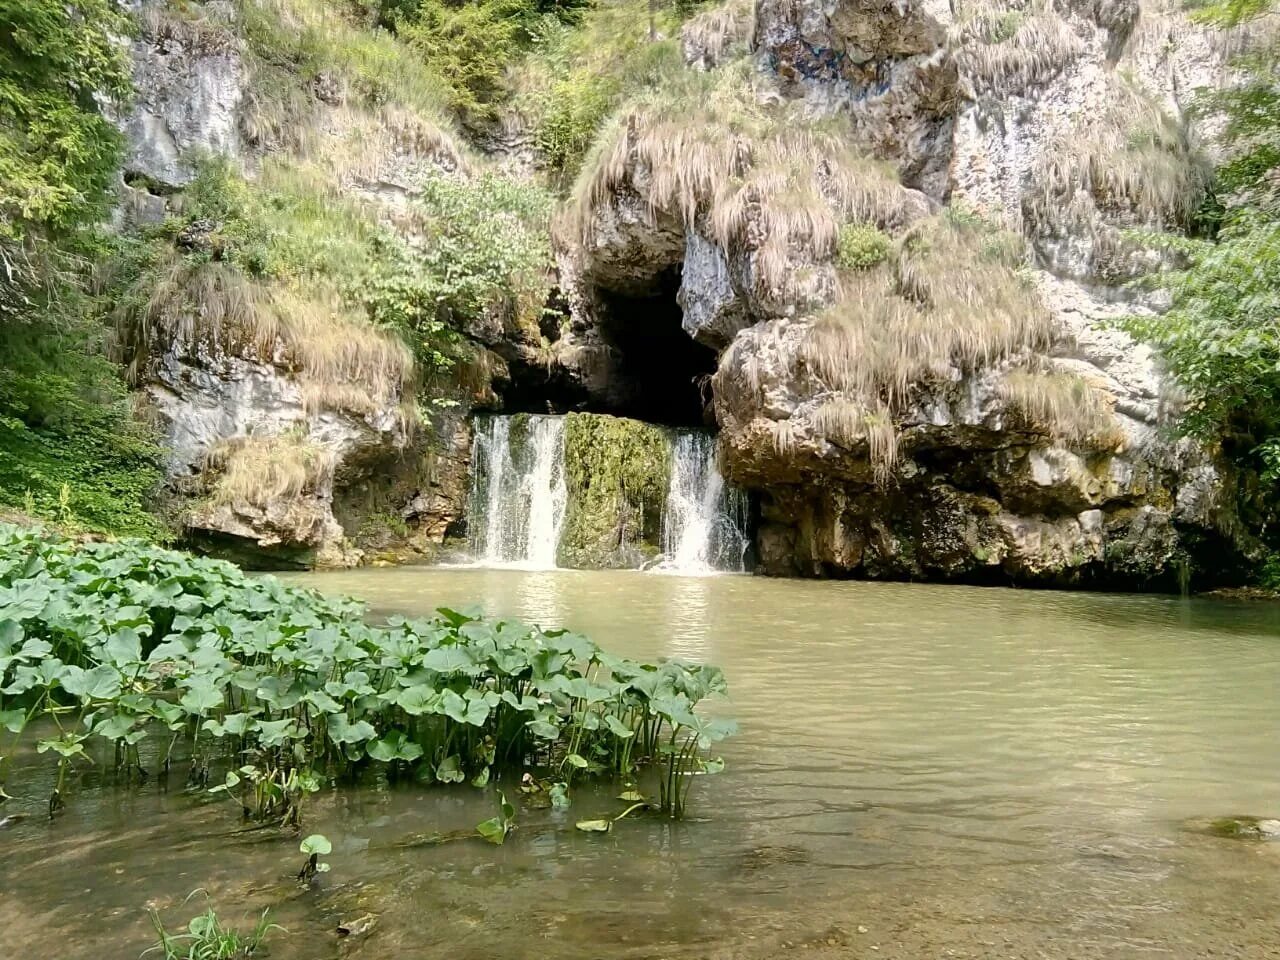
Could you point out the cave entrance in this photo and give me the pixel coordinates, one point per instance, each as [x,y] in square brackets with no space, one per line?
[661,374]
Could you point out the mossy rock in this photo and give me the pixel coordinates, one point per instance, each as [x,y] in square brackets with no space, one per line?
[617,472]
[1242,828]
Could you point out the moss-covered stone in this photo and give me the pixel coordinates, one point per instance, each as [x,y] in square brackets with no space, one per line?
[617,472]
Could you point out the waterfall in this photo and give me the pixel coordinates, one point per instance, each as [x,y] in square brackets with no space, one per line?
[705,522]
[518,493]
[519,500]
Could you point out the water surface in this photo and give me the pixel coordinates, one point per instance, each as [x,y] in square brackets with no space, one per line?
[921,772]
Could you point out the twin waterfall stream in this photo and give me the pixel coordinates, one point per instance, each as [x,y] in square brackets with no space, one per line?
[519,501]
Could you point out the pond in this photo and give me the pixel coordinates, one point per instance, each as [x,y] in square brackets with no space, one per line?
[921,771]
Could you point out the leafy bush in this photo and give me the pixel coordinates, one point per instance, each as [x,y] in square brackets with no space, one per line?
[279,687]
[860,246]
[69,448]
[1219,338]
[574,78]
[57,153]
[484,259]
[469,44]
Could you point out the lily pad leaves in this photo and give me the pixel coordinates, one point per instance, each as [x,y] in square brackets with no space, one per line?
[289,687]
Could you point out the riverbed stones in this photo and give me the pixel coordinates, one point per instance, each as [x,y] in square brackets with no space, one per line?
[1240,827]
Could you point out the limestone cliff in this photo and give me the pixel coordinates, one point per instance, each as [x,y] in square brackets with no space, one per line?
[903,228]
[289,420]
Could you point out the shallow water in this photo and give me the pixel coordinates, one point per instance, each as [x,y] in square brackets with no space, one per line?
[921,772]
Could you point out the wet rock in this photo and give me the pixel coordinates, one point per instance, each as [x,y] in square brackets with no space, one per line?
[617,471]
[359,927]
[1241,828]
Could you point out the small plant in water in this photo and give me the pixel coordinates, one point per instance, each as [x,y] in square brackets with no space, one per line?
[208,938]
[314,847]
[495,829]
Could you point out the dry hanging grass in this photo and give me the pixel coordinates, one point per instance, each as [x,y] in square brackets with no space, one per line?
[1061,405]
[210,303]
[341,362]
[261,470]
[719,32]
[1005,49]
[764,180]
[1131,157]
[368,139]
[949,298]
[848,424]
[948,301]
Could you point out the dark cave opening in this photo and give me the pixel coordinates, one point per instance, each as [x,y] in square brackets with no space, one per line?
[643,364]
[661,374]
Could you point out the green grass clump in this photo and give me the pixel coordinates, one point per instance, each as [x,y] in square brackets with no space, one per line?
[208,937]
[275,690]
[860,246]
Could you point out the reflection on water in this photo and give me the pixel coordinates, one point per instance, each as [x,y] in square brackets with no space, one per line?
[957,772]
[688,615]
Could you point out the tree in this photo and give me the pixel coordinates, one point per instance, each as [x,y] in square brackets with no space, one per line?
[1221,337]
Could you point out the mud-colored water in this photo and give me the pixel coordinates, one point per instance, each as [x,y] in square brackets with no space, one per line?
[921,772]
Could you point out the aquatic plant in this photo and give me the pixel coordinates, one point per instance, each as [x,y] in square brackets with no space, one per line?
[270,691]
[208,938]
[313,848]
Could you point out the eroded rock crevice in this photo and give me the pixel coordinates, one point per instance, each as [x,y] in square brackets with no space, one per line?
[905,395]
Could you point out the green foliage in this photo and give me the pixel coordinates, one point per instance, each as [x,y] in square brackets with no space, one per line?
[278,687]
[617,472]
[577,106]
[1220,338]
[70,450]
[57,153]
[1230,13]
[470,44]
[485,258]
[207,937]
[574,77]
[860,246]
[496,829]
[296,47]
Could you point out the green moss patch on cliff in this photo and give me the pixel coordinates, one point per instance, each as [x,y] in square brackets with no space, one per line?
[617,472]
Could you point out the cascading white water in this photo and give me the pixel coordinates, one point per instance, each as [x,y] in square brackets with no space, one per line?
[705,522]
[519,500]
[518,495]
[545,488]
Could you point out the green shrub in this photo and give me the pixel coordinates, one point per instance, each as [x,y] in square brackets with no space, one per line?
[577,107]
[860,246]
[70,449]
[470,46]
[486,254]
[57,153]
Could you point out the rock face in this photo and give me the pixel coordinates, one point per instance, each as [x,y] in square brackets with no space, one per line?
[190,81]
[1037,456]
[616,474]
[230,404]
